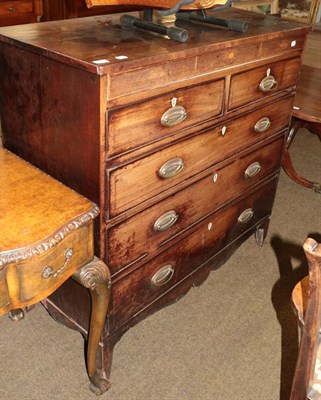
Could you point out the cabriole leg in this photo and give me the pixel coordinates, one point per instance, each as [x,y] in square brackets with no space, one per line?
[96,277]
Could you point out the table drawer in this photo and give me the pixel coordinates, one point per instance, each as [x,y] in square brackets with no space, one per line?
[261,82]
[142,234]
[33,279]
[14,8]
[153,119]
[133,292]
[142,179]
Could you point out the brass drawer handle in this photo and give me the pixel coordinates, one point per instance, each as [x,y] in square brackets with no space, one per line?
[171,168]
[252,170]
[48,272]
[245,216]
[262,125]
[268,83]
[165,221]
[163,275]
[11,8]
[174,116]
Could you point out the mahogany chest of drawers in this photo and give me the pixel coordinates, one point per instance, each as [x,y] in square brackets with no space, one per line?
[179,144]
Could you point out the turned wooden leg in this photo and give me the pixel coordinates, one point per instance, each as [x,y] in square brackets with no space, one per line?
[261,232]
[16,315]
[287,162]
[96,277]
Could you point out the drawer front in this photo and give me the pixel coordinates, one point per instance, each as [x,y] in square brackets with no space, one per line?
[142,234]
[14,8]
[153,119]
[147,78]
[38,277]
[136,290]
[261,82]
[140,180]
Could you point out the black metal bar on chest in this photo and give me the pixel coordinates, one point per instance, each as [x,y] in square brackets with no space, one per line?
[193,17]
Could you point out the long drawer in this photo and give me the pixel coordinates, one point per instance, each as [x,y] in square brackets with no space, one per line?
[156,173]
[153,119]
[142,234]
[263,81]
[131,293]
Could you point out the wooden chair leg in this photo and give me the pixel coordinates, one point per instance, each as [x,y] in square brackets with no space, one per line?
[287,162]
[96,277]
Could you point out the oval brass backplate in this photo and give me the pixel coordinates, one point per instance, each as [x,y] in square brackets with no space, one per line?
[268,83]
[262,125]
[173,116]
[165,221]
[252,170]
[171,168]
[163,275]
[246,216]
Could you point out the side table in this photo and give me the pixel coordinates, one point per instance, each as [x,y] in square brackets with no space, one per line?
[307,104]
[46,236]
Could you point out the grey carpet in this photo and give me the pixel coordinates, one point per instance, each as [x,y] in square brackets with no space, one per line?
[234,337]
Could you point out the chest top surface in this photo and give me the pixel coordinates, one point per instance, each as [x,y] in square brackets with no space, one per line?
[84,41]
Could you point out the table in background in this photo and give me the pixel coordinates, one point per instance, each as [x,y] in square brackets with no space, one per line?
[307,103]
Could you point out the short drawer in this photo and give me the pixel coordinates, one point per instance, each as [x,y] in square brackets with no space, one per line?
[261,82]
[38,277]
[153,119]
[14,8]
[154,174]
[145,232]
[136,290]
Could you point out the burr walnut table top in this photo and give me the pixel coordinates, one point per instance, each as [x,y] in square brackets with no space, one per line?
[33,206]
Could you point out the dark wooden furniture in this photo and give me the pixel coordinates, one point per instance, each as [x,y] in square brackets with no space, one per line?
[15,12]
[180,144]
[65,9]
[46,236]
[161,4]
[307,104]
[306,299]
[62,9]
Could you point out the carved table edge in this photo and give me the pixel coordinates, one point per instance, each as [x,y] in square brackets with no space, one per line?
[40,247]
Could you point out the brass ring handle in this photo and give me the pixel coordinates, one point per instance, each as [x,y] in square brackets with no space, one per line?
[173,116]
[268,83]
[163,275]
[165,221]
[252,170]
[245,216]
[171,168]
[48,272]
[262,125]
